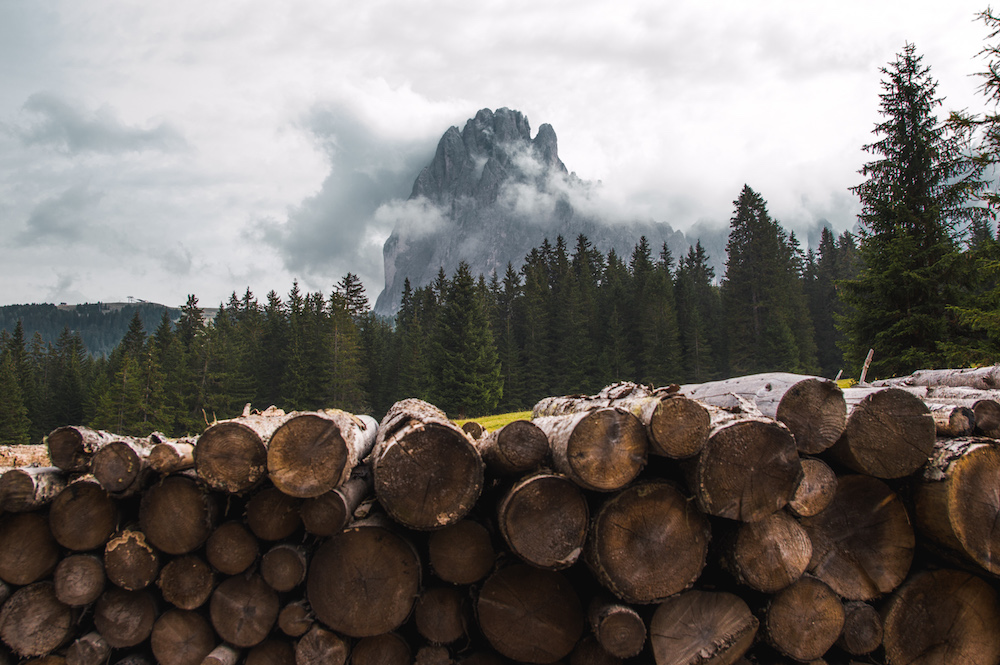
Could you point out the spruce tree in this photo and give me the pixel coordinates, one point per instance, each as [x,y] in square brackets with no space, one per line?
[697,317]
[15,427]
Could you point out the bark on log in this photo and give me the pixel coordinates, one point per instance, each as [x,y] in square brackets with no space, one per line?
[364,580]
[271,652]
[177,514]
[70,448]
[385,649]
[321,647]
[473,429]
[181,637]
[28,552]
[273,515]
[516,448]
[25,455]
[171,455]
[284,566]
[231,548]
[121,467]
[890,433]
[330,513]
[957,503]
[543,519]
[862,629]
[461,553]
[243,610]
[701,628]
[617,628]
[83,516]
[748,469]
[440,614]
[90,649]
[812,408]
[768,555]
[186,582]
[941,617]
[296,618]
[428,472]
[33,622]
[124,618]
[130,562]
[601,450]
[647,542]
[30,488]
[530,615]
[952,420]
[815,492]
[804,620]
[312,453]
[863,542]
[231,455]
[223,654]
[980,378]
[79,579]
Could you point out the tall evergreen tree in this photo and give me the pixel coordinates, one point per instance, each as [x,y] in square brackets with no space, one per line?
[698,316]
[15,428]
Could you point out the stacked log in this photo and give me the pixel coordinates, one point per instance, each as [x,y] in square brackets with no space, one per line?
[774,519]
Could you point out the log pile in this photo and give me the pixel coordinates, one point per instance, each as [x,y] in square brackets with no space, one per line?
[767,519]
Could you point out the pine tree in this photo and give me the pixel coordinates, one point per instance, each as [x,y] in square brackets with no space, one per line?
[344,340]
[15,427]
[697,314]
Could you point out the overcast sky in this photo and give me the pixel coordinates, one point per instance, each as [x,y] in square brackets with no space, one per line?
[156,150]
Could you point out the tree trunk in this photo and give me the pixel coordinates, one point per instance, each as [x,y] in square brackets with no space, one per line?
[461,553]
[273,515]
[121,467]
[70,448]
[701,628]
[243,610]
[177,514]
[804,620]
[330,513]
[516,448]
[284,566]
[428,472]
[181,637]
[231,455]
[601,450]
[25,455]
[815,492]
[231,548]
[863,542]
[987,413]
[385,649]
[957,502]
[588,651]
[543,519]
[768,555]
[530,615]
[28,552]
[942,617]
[862,629]
[980,378]
[952,420]
[364,580]
[223,654]
[647,542]
[33,622]
[171,455]
[79,579]
[296,618]
[748,469]
[312,453]
[83,517]
[618,628]
[321,647]
[186,582]
[30,488]
[90,649]
[890,433]
[440,614]
[130,562]
[271,652]
[124,618]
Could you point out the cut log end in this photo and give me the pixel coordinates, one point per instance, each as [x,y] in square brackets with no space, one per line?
[678,427]
[701,627]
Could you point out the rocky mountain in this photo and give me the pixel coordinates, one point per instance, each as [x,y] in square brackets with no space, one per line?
[491,194]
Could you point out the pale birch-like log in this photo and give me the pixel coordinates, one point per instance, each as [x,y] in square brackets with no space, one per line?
[30,488]
[231,455]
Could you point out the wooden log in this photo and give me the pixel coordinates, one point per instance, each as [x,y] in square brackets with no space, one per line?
[956,500]
[33,622]
[125,618]
[231,548]
[980,378]
[530,615]
[767,555]
[28,552]
[461,553]
[588,651]
[284,566]
[243,610]
[941,617]
[432,655]
[863,542]
[231,455]
[428,472]
[83,516]
[812,408]
[89,649]
[987,412]
[25,455]
[296,618]
[223,654]
[312,453]
[130,562]
[698,627]
[329,513]
[186,582]
[30,488]
[171,455]
[364,580]
[748,469]
[473,429]
[890,433]
[516,448]
[440,614]
[385,649]
[816,490]
[647,542]
[120,466]
[618,628]
[79,579]
[321,647]
[177,514]
[600,450]
[804,620]
[273,515]
[271,652]
[543,519]
[70,448]
[181,637]
[952,420]
[862,632]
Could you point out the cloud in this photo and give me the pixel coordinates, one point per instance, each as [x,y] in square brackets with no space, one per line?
[59,123]
[63,219]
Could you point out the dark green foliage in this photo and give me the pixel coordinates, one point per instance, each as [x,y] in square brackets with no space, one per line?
[15,428]
[699,318]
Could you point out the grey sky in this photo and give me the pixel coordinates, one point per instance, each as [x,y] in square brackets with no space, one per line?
[156,150]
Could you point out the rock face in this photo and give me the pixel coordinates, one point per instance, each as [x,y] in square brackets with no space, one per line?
[489,196]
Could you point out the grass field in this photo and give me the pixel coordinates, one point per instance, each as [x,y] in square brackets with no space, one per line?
[496,422]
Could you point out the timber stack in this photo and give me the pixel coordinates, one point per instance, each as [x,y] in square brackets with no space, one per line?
[766,519]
